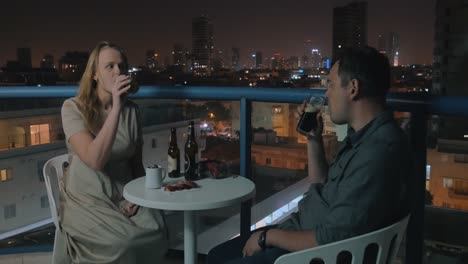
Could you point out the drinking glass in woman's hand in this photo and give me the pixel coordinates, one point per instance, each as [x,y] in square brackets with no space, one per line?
[134,87]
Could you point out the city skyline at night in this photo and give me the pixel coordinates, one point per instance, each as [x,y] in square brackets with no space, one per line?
[54,27]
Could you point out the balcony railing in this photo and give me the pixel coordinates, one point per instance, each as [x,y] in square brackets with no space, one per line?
[420,107]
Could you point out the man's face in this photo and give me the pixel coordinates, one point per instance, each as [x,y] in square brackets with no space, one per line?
[338,103]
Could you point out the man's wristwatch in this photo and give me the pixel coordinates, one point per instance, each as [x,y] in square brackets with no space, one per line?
[262,239]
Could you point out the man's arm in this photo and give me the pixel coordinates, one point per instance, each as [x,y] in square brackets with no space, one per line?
[317,163]
[288,240]
[291,240]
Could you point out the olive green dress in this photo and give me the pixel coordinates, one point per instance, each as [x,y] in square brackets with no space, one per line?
[93,228]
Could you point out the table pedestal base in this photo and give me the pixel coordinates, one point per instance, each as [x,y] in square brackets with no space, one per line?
[190,240]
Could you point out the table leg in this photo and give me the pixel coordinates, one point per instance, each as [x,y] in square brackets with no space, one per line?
[190,239]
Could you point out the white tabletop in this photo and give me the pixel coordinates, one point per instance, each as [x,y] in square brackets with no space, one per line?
[213,193]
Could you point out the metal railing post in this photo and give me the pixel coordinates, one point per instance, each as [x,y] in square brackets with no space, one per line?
[245,160]
[415,230]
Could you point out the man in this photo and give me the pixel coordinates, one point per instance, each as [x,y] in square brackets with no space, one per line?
[364,189]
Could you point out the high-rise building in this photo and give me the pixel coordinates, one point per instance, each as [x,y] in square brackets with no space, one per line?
[451,60]
[393,48]
[325,63]
[252,60]
[276,61]
[315,58]
[235,59]
[202,46]
[450,49]
[308,47]
[47,62]
[381,44]
[349,27]
[221,59]
[258,60]
[72,65]
[152,60]
[292,63]
[23,56]
[178,55]
[304,63]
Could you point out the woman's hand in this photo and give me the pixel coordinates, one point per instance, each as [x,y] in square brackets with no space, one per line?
[129,209]
[119,89]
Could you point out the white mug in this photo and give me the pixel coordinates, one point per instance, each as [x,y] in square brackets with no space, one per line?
[154,177]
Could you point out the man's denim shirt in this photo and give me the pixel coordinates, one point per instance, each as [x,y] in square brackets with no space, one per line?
[367,185]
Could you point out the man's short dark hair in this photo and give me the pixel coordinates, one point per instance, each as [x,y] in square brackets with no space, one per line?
[369,67]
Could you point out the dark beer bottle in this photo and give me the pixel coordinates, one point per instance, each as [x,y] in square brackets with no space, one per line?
[173,156]
[191,153]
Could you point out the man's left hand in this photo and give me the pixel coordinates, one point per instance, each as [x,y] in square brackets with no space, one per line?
[252,247]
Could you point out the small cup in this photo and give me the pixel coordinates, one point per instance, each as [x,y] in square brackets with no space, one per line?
[154,177]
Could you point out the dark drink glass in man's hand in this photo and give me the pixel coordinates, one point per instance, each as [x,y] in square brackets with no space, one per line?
[308,120]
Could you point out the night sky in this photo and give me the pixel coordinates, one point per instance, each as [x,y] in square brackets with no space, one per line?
[56,26]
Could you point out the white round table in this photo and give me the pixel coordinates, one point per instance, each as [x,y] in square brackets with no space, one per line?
[213,193]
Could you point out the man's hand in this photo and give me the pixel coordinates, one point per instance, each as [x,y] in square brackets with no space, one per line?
[252,247]
[319,130]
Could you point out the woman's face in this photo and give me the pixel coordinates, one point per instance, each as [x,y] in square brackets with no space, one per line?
[109,66]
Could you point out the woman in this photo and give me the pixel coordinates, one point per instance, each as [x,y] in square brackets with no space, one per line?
[104,138]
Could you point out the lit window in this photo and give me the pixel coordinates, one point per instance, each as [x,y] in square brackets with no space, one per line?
[6,174]
[459,187]
[447,182]
[277,110]
[40,134]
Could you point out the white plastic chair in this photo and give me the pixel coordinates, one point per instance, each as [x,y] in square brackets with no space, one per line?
[387,239]
[53,173]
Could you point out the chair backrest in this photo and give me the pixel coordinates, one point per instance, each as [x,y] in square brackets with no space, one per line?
[386,240]
[53,173]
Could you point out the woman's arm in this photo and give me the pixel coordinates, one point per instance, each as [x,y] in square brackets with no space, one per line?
[95,151]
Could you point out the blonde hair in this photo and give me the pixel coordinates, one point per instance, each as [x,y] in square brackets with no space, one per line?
[88,100]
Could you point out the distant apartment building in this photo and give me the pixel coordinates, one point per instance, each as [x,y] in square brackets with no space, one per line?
[349,27]
[202,46]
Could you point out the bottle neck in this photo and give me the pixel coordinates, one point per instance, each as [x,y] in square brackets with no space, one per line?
[191,136]
[173,138]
